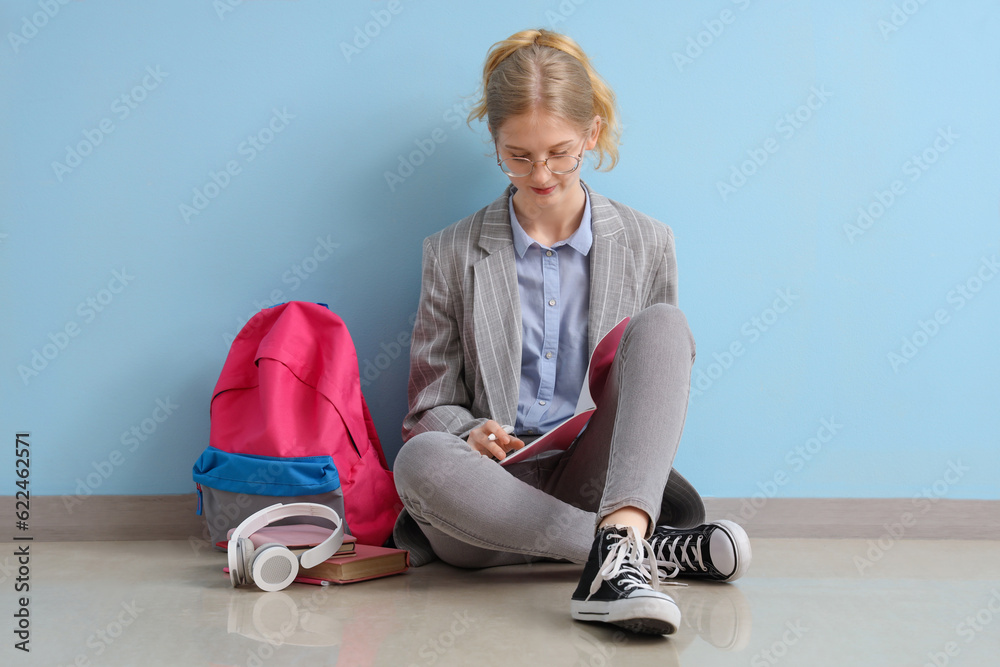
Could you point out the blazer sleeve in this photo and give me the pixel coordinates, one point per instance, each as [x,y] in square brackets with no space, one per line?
[439,398]
[663,287]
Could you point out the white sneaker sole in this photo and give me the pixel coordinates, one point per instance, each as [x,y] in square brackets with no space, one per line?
[742,541]
[648,615]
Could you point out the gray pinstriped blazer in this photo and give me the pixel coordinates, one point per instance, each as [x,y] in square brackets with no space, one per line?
[465,358]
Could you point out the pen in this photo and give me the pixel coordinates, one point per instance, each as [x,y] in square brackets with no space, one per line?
[509,430]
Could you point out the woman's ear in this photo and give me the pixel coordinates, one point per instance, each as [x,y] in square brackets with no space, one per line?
[595,132]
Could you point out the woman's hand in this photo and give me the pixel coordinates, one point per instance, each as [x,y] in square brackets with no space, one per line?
[479,440]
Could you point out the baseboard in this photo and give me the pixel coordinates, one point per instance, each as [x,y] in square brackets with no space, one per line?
[172,517]
[99,518]
[901,518]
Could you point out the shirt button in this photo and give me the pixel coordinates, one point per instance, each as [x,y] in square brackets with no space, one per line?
[548,355]
[552,302]
[548,253]
[541,402]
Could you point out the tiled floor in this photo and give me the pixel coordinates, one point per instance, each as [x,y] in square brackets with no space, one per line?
[804,602]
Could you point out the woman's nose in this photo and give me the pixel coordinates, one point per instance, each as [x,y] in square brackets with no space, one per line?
[541,173]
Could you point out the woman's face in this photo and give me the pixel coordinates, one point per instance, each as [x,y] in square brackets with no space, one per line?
[538,135]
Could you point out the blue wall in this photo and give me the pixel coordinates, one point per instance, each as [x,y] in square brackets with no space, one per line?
[169,168]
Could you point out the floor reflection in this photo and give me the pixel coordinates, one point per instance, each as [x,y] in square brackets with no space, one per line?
[803,603]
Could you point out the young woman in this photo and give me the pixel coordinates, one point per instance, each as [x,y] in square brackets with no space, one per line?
[513,300]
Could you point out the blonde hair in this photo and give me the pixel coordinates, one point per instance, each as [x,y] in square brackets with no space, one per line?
[540,69]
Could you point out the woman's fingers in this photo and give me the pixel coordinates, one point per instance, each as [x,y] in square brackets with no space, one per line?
[490,439]
[480,442]
[514,444]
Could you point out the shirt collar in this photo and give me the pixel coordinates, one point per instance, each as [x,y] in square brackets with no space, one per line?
[581,240]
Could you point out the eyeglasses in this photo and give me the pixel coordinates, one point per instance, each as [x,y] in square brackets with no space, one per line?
[522,166]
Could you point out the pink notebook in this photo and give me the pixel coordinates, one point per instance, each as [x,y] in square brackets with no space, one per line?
[563,435]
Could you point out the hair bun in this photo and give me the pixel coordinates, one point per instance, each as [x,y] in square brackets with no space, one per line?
[569,87]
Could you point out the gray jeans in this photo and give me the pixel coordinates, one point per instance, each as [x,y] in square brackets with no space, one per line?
[476,513]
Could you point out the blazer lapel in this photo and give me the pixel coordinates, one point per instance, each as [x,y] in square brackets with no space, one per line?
[612,272]
[497,313]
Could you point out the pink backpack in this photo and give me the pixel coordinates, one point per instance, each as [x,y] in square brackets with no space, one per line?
[289,424]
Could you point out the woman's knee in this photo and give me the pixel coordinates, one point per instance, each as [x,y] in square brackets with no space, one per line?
[424,464]
[660,315]
[662,319]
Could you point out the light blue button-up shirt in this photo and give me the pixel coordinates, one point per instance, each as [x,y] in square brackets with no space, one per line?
[554,286]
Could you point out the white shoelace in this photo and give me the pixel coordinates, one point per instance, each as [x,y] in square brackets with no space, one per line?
[671,560]
[625,559]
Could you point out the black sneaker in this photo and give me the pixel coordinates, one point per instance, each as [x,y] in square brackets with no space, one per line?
[717,551]
[615,586]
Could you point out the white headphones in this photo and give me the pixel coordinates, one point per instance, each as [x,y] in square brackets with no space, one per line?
[273,566]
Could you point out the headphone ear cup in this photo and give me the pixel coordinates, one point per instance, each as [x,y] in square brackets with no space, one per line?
[273,567]
[240,557]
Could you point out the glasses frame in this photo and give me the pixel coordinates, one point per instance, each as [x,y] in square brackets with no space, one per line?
[579,161]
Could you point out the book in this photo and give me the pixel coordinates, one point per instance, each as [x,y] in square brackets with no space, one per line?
[563,435]
[296,537]
[369,562]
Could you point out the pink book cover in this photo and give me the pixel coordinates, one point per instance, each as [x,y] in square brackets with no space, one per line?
[563,435]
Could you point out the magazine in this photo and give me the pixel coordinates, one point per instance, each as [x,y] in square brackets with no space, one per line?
[563,435]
